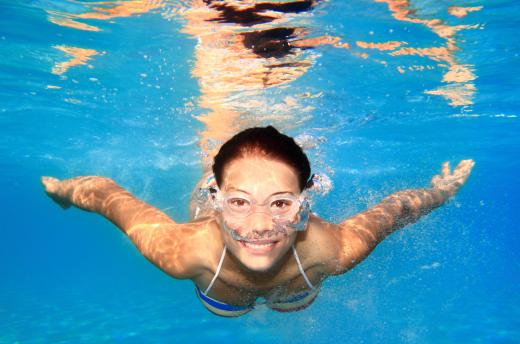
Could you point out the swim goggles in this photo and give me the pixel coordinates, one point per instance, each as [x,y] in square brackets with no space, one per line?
[282,225]
[239,205]
[285,209]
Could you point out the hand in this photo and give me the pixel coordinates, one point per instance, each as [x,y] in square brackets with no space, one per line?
[59,191]
[452,181]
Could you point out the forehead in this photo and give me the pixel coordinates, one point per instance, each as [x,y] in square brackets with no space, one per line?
[260,176]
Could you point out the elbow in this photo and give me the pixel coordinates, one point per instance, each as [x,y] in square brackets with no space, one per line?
[163,252]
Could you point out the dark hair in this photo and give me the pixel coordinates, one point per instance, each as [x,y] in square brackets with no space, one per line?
[267,142]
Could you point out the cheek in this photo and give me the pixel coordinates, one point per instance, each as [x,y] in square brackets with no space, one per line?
[232,224]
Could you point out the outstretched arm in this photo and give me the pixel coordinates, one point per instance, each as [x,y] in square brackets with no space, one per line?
[361,233]
[156,236]
[103,196]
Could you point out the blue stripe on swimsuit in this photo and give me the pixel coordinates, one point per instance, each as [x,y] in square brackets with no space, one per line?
[221,308]
[293,303]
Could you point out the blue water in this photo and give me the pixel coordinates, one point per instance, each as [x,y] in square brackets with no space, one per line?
[130,113]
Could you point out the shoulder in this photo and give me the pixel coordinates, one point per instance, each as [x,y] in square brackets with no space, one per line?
[183,251]
[320,244]
[201,244]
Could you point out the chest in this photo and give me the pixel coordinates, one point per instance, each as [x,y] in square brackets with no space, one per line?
[234,287]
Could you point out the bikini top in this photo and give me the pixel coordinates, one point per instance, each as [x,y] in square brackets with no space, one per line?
[293,303]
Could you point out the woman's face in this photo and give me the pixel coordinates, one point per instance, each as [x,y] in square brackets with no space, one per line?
[260,180]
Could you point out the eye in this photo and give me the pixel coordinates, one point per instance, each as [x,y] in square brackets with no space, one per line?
[238,203]
[281,204]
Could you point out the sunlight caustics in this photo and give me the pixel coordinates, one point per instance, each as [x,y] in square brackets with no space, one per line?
[79,56]
[121,9]
[103,10]
[247,53]
[459,89]
[391,45]
[63,19]
[460,12]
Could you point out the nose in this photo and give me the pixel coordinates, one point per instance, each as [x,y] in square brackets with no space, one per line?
[260,222]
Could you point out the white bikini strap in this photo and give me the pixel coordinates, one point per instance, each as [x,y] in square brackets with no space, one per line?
[300,267]
[219,266]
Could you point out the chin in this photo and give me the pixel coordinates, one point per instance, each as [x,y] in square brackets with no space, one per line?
[257,265]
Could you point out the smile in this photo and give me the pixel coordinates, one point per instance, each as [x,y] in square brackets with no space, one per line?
[259,246]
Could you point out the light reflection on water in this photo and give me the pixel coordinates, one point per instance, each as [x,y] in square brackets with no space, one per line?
[244,49]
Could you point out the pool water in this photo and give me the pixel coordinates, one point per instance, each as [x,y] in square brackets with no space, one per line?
[378,92]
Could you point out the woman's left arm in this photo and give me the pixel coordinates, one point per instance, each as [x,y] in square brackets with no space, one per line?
[361,233]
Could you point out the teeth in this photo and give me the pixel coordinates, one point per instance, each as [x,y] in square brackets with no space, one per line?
[252,245]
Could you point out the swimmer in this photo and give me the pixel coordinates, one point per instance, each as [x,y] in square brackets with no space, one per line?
[257,240]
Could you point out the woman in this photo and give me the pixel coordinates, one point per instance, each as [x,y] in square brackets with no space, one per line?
[260,241]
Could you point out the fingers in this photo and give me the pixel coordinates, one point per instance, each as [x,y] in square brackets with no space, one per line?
[50,183]
[446,169]
[455,179]
[464,167]
[465,164]
[45,180]
[435,180]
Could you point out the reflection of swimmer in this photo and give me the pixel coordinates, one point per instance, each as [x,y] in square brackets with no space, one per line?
[251,13]
[232,29]
[244,48]
[259,240]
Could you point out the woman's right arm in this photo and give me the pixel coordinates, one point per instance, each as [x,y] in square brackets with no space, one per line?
[103,196]
[155,235]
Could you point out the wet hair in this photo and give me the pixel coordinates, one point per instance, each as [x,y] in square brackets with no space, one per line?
[256,14]
[266,142]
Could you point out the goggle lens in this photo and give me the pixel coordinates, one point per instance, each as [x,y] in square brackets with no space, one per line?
[283,207]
